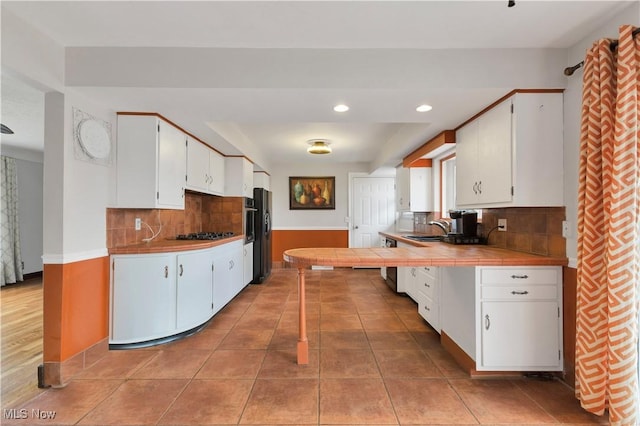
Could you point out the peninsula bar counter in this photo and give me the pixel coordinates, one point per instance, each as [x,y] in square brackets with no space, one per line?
[427,254]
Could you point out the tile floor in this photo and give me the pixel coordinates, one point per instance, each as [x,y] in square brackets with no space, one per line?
[373,360]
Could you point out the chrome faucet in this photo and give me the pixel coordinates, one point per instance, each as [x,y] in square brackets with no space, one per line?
[442,224]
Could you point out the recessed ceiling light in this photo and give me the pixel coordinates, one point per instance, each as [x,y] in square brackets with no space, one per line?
[424,108]
[341,108]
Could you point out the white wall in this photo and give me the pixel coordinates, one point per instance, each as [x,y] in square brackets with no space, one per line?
[283,218]
[30,195]
[89,188]
[30,212]
[572,110]
[76,193]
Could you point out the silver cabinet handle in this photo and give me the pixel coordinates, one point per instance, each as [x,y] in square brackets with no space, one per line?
[427,308]
[480,187]
[519,277]
[487,322]
[181,269]
[520,292]
[427,285]
[231,264]
[475,188]
[166,272]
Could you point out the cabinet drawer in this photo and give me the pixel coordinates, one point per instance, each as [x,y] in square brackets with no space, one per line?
[519,293]
[427,285]
[428,310]
[428,270]
[520,276]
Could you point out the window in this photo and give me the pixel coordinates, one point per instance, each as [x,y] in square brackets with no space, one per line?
[448,184]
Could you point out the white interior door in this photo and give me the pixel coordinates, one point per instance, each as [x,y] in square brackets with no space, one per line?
[373,209]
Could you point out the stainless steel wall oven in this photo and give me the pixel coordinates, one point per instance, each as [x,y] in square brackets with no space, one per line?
[249,220]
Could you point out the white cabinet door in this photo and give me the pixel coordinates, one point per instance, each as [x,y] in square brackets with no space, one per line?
[402,188]
[143,290]
[198,176]
[261,180]
[414,190]
[216,171]
[494,155]
[248,263]
[227,273]
[467,164]
[152,163]
[520,336]
[483,158]
[238,180]
[194,297]
[172,145]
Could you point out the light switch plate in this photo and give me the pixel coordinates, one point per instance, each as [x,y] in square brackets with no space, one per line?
[138,224]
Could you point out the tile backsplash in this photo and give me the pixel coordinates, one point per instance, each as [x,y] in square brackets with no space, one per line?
[202,213]
[536,230]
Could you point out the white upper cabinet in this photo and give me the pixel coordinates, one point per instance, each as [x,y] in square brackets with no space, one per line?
[205,168]
[238,179]
[151,168]
[414,189]
[512,154]
[261,180]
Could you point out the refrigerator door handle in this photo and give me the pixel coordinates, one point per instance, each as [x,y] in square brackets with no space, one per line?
[267,223]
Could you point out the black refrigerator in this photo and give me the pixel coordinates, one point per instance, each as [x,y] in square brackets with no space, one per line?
[262,242]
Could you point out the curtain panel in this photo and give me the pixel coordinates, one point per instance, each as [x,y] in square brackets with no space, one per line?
[608,231]
[11,265]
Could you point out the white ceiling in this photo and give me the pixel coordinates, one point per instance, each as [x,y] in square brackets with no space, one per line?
[266,74]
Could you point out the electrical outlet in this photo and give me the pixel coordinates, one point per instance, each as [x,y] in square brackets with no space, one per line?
[138,224]
[565,229]
[502,223]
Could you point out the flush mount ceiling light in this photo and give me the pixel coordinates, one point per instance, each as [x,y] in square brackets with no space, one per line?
[318,146]
[341,108]
[424,108]
[5,130]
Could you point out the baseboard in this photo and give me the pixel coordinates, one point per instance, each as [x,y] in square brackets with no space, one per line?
[468,364]
[32,275]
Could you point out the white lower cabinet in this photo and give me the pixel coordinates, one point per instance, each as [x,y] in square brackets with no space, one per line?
[519,322]
[194,296]
[504,318]
[156,296]
[143,297]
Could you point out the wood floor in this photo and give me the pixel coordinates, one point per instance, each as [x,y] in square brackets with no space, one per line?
[21,341]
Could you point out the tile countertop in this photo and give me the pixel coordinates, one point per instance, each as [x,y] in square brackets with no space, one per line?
[172,245]
[422,254]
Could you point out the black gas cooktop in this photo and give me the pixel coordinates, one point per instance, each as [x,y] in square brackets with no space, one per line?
[205,236]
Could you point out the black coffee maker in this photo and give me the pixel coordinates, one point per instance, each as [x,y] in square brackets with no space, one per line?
[465,223]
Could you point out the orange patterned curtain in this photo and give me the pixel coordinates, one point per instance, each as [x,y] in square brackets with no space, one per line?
[608,231]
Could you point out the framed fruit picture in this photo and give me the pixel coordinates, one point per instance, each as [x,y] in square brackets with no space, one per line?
[312,192]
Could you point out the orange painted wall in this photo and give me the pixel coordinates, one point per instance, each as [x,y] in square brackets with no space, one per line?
[288,239]
[76,307]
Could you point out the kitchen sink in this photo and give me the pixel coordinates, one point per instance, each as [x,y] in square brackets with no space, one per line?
[424,238]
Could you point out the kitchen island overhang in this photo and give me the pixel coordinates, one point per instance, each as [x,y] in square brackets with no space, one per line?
[427,254]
